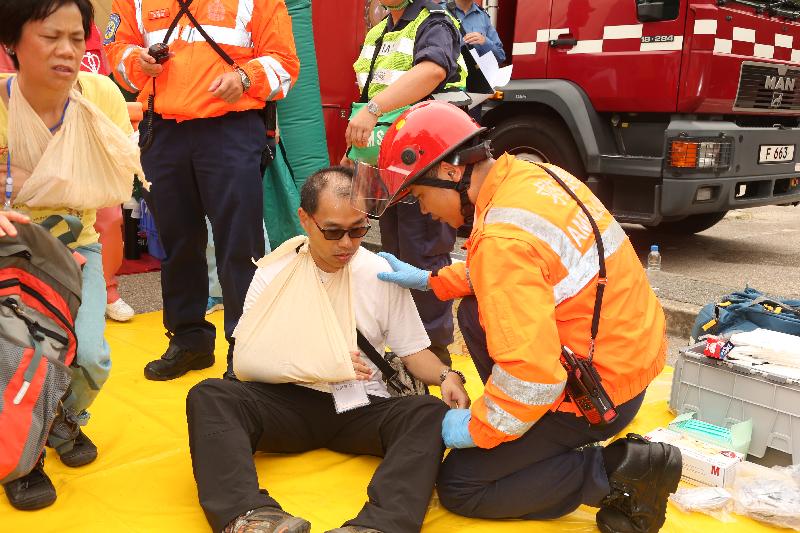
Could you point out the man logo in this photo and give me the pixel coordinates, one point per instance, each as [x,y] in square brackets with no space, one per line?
[779,83]
[777,100]
[714,470]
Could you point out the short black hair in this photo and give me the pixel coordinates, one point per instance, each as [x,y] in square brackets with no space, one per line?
[339,176]
[14,14]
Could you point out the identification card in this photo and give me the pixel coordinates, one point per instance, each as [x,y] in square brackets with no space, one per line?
[349,395]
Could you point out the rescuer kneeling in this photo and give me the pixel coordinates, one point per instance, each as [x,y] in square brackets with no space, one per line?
[558,317]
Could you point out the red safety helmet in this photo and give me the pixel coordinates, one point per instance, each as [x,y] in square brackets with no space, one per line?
[424,135]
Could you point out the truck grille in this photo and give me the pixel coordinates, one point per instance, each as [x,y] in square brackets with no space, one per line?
[768,88]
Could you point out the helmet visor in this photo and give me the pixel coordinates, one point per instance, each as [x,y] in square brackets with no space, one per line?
[375,189]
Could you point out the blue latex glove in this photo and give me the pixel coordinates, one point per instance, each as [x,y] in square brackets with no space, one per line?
[405,275]
[455,430]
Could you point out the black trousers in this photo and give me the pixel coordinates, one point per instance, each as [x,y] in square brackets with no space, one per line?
[425,243]
[543,474]
[205,167]
[230,420]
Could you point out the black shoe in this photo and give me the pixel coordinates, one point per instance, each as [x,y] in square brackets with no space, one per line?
[32,491]
[647,474]
[175,362]
[82,453]
[268,520]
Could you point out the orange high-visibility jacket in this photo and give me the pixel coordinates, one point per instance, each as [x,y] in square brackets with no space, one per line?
[532,265]
[257,34]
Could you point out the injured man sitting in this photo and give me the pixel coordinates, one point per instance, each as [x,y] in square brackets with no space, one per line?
[305,384]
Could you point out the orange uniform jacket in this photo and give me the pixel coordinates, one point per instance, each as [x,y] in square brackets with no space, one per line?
[532,265]
[257,34]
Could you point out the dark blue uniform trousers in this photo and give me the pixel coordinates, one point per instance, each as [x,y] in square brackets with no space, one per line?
[421,241]
[543,474]
[202,167]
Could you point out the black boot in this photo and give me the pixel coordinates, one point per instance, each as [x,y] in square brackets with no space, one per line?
[646,474]
[32,491]
[82,453]
[175,362]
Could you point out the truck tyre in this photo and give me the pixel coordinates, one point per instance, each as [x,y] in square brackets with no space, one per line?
[540,139]
[690,225]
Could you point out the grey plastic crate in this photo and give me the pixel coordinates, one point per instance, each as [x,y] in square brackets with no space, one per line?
[723,394]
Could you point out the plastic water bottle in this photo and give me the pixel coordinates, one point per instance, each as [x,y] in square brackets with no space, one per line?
[653,267]
[654,258]
[130,216]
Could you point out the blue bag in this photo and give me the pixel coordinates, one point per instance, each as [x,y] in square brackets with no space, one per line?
[745,311]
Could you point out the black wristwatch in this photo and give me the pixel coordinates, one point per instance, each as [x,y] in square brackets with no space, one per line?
[446,371]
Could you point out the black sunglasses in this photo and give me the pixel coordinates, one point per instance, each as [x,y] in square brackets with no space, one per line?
[337,234]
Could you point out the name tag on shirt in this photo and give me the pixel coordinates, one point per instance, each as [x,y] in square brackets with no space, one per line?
[349,395]
[158,14]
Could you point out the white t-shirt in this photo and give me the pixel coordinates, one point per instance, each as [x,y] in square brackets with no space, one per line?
[385,312]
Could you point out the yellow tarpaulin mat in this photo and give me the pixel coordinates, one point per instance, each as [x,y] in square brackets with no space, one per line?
[142,480]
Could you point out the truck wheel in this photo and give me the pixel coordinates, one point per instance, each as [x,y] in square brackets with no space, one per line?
[539,139]
[689,225]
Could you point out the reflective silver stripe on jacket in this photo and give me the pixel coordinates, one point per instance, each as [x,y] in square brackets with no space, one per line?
[122,71]
[502,420]
[244,14]
[404,45]
[272,78]
[581,268]
[279,78]
[238,36]
[469,280]
[381,76]
[139,20]
[527,392]
[587,266]
[222,35]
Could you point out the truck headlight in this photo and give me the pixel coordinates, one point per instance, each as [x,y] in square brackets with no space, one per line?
[700,153]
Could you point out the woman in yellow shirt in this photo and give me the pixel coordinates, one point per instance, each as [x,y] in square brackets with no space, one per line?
[46,41]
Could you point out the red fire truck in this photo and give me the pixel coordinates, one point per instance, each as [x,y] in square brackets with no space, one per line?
[674,111]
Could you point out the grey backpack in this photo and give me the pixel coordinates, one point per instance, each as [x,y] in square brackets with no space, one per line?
[40,292]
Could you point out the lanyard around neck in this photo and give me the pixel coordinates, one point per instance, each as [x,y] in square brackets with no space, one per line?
[63,111]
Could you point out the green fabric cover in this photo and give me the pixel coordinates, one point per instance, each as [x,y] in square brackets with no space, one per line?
[300,118]
[281,200]
[303,147]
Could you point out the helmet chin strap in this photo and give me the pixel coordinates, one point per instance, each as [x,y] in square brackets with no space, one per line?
[461,187]
[467,207]
[469,157]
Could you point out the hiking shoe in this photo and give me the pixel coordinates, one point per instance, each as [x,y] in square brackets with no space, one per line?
[175,362]
[354,529]
[32,491]
[214,304]
[82,453]
[119,311]
[267,520]
[647,474]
